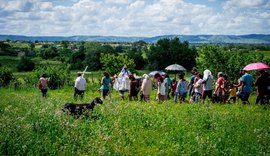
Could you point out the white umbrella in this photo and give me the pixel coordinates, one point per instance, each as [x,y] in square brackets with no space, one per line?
[153,73]
[175,67]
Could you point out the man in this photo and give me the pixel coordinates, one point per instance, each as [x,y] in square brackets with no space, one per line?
[79,86]
[207,85]
[246,83]
[261,84]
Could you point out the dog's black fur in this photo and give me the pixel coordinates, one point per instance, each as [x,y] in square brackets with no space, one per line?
[78,109]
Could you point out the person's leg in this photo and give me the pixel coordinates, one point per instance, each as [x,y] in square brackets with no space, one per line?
[245,97]
[75,93]
[82,94]
[121,94]
[204,94]
[257,99]
[210,95]
[176,97]
[234,99]
[44,92]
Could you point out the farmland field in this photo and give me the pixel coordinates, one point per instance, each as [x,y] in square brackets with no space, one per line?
[31,125]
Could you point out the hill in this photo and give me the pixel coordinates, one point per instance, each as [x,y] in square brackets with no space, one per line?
[224,39]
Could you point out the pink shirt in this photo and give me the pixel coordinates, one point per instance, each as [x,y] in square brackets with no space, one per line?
[220,84]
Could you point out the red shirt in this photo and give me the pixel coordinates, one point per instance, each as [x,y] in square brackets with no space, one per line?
[220,84]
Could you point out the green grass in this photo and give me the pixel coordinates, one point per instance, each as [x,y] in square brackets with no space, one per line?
[31,125]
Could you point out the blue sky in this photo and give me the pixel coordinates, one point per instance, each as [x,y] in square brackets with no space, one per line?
[134,17]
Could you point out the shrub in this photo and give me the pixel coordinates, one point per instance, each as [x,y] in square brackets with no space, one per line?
[25,64]
[58,76]
[6,77]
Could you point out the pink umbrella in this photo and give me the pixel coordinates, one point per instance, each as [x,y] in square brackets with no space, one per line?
[256,66]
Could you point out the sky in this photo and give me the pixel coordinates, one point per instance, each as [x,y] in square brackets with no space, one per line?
[141,18]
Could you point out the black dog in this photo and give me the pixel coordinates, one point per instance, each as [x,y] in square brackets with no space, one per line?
[78,109]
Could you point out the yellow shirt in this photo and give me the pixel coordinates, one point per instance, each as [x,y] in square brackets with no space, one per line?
[233,92]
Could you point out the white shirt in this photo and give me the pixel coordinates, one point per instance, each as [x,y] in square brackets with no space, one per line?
[80,83]
[198,86]
[208,83]
[162,88]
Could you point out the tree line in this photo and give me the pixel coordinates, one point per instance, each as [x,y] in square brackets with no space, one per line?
[137,56]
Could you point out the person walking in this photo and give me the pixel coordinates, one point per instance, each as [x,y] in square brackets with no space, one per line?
[146,87]
[43,85]
[207,85]
[219,91]
[261,84]
[79,86]
[105,85]
[181,89]
[246,83]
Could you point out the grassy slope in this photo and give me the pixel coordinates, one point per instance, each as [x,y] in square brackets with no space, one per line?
[36,126]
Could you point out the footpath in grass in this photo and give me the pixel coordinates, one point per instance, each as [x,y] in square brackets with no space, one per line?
[31,125]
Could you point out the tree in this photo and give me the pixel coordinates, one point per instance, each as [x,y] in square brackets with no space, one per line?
[113,63]
[6,77]
[77,60]
[25,64]
[48,52]
[93,52]
[169,51]
[136,55]
[214,58]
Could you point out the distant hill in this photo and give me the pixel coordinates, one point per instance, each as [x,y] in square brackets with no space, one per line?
[251,38]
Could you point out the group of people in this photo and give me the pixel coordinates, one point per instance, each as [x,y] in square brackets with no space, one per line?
[198,88]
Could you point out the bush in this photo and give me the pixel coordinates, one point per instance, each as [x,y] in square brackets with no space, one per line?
[58,77]
[25,64]
[6,77]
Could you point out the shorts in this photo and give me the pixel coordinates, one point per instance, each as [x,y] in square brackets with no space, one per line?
[79,92]
[105,92]
[207,93]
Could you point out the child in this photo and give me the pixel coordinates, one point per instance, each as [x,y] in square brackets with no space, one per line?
[174,84]
[198,87]
[233,95]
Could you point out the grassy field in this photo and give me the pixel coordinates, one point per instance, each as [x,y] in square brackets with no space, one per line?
[31,125]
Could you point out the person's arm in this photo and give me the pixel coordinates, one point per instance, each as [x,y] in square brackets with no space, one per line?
[102,81]
[143,84]
[76,83]
[239,84]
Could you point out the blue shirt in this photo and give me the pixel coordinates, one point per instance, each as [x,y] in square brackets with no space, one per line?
[107,84]
[247,80]
[181,86]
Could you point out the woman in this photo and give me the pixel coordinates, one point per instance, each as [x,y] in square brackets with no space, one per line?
[161,92]
[146,87]
[219,91]
[181,89]
[133,89]
[105,87]
[43,85]
[198,88]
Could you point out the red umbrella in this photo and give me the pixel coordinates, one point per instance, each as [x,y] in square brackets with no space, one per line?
[256,66]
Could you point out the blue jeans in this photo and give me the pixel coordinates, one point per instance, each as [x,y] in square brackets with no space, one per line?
[244,96]
[44,92]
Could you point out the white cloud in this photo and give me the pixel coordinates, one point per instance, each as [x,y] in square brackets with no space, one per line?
[132,17]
